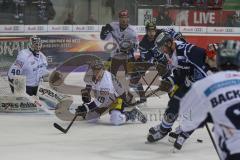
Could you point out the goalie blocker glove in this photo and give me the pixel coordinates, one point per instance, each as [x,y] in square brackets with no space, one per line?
[105,30]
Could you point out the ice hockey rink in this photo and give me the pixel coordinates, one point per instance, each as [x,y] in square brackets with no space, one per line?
[28,136]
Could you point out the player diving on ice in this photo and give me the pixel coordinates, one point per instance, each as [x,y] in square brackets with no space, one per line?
[108,96]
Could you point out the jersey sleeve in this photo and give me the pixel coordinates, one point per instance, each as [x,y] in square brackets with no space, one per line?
[17,67]
[193,110]
[197,56]
[145,54]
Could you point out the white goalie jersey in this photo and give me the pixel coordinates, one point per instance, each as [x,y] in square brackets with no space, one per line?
[219,96]
[33,67]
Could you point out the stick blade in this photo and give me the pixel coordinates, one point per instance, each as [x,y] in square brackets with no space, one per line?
[59,128]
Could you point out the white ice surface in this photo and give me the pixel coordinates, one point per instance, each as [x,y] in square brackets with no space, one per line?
[33,137]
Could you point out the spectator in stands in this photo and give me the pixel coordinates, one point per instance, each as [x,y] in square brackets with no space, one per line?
[110,3]
[70,18]
[169,2]
[185,3]
[38,12]
[236,20]
[201,3]
[233,21]
[91,20]
[163,18]
[6,12]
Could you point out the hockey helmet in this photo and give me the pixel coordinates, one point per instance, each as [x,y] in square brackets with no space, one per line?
[123,13]
[162,39]
[97,64]
[97,68]
[228,55]
[150,26]
[35,43]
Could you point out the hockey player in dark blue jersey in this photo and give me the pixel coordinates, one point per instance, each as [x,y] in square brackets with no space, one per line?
[148,49]
[189,64]
[149,56]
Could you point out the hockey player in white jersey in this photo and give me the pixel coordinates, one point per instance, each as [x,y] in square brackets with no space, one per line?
[125,37]
[217,97]
[109,97]
[32,64]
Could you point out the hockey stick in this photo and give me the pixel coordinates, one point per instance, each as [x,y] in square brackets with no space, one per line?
[213,142]
[152,91]
[57,126]
[147,96]
[149,85]
[69,126]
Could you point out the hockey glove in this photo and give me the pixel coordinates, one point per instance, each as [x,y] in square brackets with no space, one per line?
[82,110]
[105,30]
[85,108]
[165,85]
[161,68]
[86,97]
[56,78]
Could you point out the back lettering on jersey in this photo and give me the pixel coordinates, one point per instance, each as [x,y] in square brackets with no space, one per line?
[221,98]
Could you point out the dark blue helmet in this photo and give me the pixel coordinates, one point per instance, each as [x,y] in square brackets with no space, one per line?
[162,39]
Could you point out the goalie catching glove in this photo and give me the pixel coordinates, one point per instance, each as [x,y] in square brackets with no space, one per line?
[56,78]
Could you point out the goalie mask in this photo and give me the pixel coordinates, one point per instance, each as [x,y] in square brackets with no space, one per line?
[35,43]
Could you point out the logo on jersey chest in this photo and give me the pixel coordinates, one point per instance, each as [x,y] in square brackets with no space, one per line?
[104,91]
[197,75]
[19,63]
[121,38]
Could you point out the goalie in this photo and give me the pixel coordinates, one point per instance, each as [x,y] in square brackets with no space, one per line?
[32,64]
[109,97]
